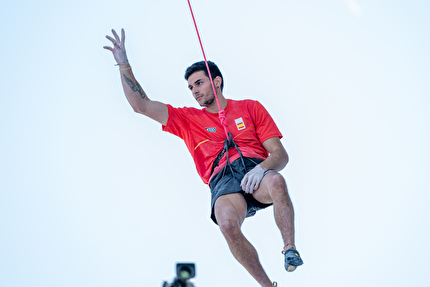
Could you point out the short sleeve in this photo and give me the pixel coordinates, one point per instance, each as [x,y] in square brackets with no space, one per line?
[265,126]
[176,122]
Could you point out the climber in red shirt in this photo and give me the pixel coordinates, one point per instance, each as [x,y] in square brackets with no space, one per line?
[242,172]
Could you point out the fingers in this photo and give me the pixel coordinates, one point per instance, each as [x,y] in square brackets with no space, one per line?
[108,48]
[246,183]
[115,35]
[112,40]
[243,182]
[250,183]
[251,186]
[247,187]
[118,48]
[116,41]
[122,35]
[251,180]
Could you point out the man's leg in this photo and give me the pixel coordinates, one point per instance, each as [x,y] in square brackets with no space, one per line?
[273,188]
[230,212]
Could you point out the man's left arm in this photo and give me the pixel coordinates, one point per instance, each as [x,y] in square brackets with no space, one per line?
[277,160]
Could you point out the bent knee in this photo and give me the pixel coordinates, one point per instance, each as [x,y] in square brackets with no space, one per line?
[276,182]
[229,228]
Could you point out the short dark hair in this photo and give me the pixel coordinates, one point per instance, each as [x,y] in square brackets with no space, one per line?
[201,66]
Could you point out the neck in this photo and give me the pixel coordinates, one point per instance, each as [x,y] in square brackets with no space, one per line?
[213,108]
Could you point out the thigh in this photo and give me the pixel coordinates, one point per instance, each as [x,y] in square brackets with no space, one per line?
[230,207]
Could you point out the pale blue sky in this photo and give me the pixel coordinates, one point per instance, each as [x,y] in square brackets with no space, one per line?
[92,194]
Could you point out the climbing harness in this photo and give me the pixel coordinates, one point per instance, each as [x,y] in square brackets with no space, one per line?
[228,142]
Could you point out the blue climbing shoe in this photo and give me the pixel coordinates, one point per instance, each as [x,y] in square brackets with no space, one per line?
[292,259]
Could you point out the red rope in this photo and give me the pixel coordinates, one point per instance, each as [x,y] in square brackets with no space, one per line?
[221,113]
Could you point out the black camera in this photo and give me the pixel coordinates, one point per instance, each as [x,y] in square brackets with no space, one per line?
[184,272]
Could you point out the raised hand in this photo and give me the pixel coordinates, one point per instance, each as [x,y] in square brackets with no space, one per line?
[118,49]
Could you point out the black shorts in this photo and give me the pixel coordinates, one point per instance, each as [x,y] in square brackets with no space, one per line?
[225,183]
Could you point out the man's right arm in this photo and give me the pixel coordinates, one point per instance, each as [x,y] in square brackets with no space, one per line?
[138,99]
[134,93]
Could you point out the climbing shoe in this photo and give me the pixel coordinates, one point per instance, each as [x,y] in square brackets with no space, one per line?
[292,259]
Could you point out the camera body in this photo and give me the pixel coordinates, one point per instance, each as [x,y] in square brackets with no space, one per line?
[184,272]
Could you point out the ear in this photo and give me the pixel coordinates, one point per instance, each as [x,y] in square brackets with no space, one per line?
[217,82]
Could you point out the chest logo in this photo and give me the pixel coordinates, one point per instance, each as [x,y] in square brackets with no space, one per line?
[240,124]
[211,130]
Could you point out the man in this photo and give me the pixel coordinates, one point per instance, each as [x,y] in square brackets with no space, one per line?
[239,185]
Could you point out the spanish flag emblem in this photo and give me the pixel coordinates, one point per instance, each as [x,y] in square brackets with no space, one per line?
[240,124]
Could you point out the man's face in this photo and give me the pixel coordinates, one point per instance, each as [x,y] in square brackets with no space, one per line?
[201,88]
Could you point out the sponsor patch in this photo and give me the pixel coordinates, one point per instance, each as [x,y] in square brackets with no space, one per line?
[211,130]
[240,124]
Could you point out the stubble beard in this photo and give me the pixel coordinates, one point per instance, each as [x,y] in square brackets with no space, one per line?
[208,102]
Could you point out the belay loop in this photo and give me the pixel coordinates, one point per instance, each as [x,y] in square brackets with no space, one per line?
[228,144]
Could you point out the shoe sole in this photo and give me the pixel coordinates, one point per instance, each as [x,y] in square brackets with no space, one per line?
[297,261]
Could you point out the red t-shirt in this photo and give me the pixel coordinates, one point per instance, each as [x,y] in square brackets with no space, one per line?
[248,122]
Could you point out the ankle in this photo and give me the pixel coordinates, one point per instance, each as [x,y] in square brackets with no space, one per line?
[288,246]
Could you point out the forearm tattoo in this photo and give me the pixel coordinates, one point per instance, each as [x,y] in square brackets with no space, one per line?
[134,86]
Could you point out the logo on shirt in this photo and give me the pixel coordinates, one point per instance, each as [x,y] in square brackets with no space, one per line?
[240,124]
[211,130]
